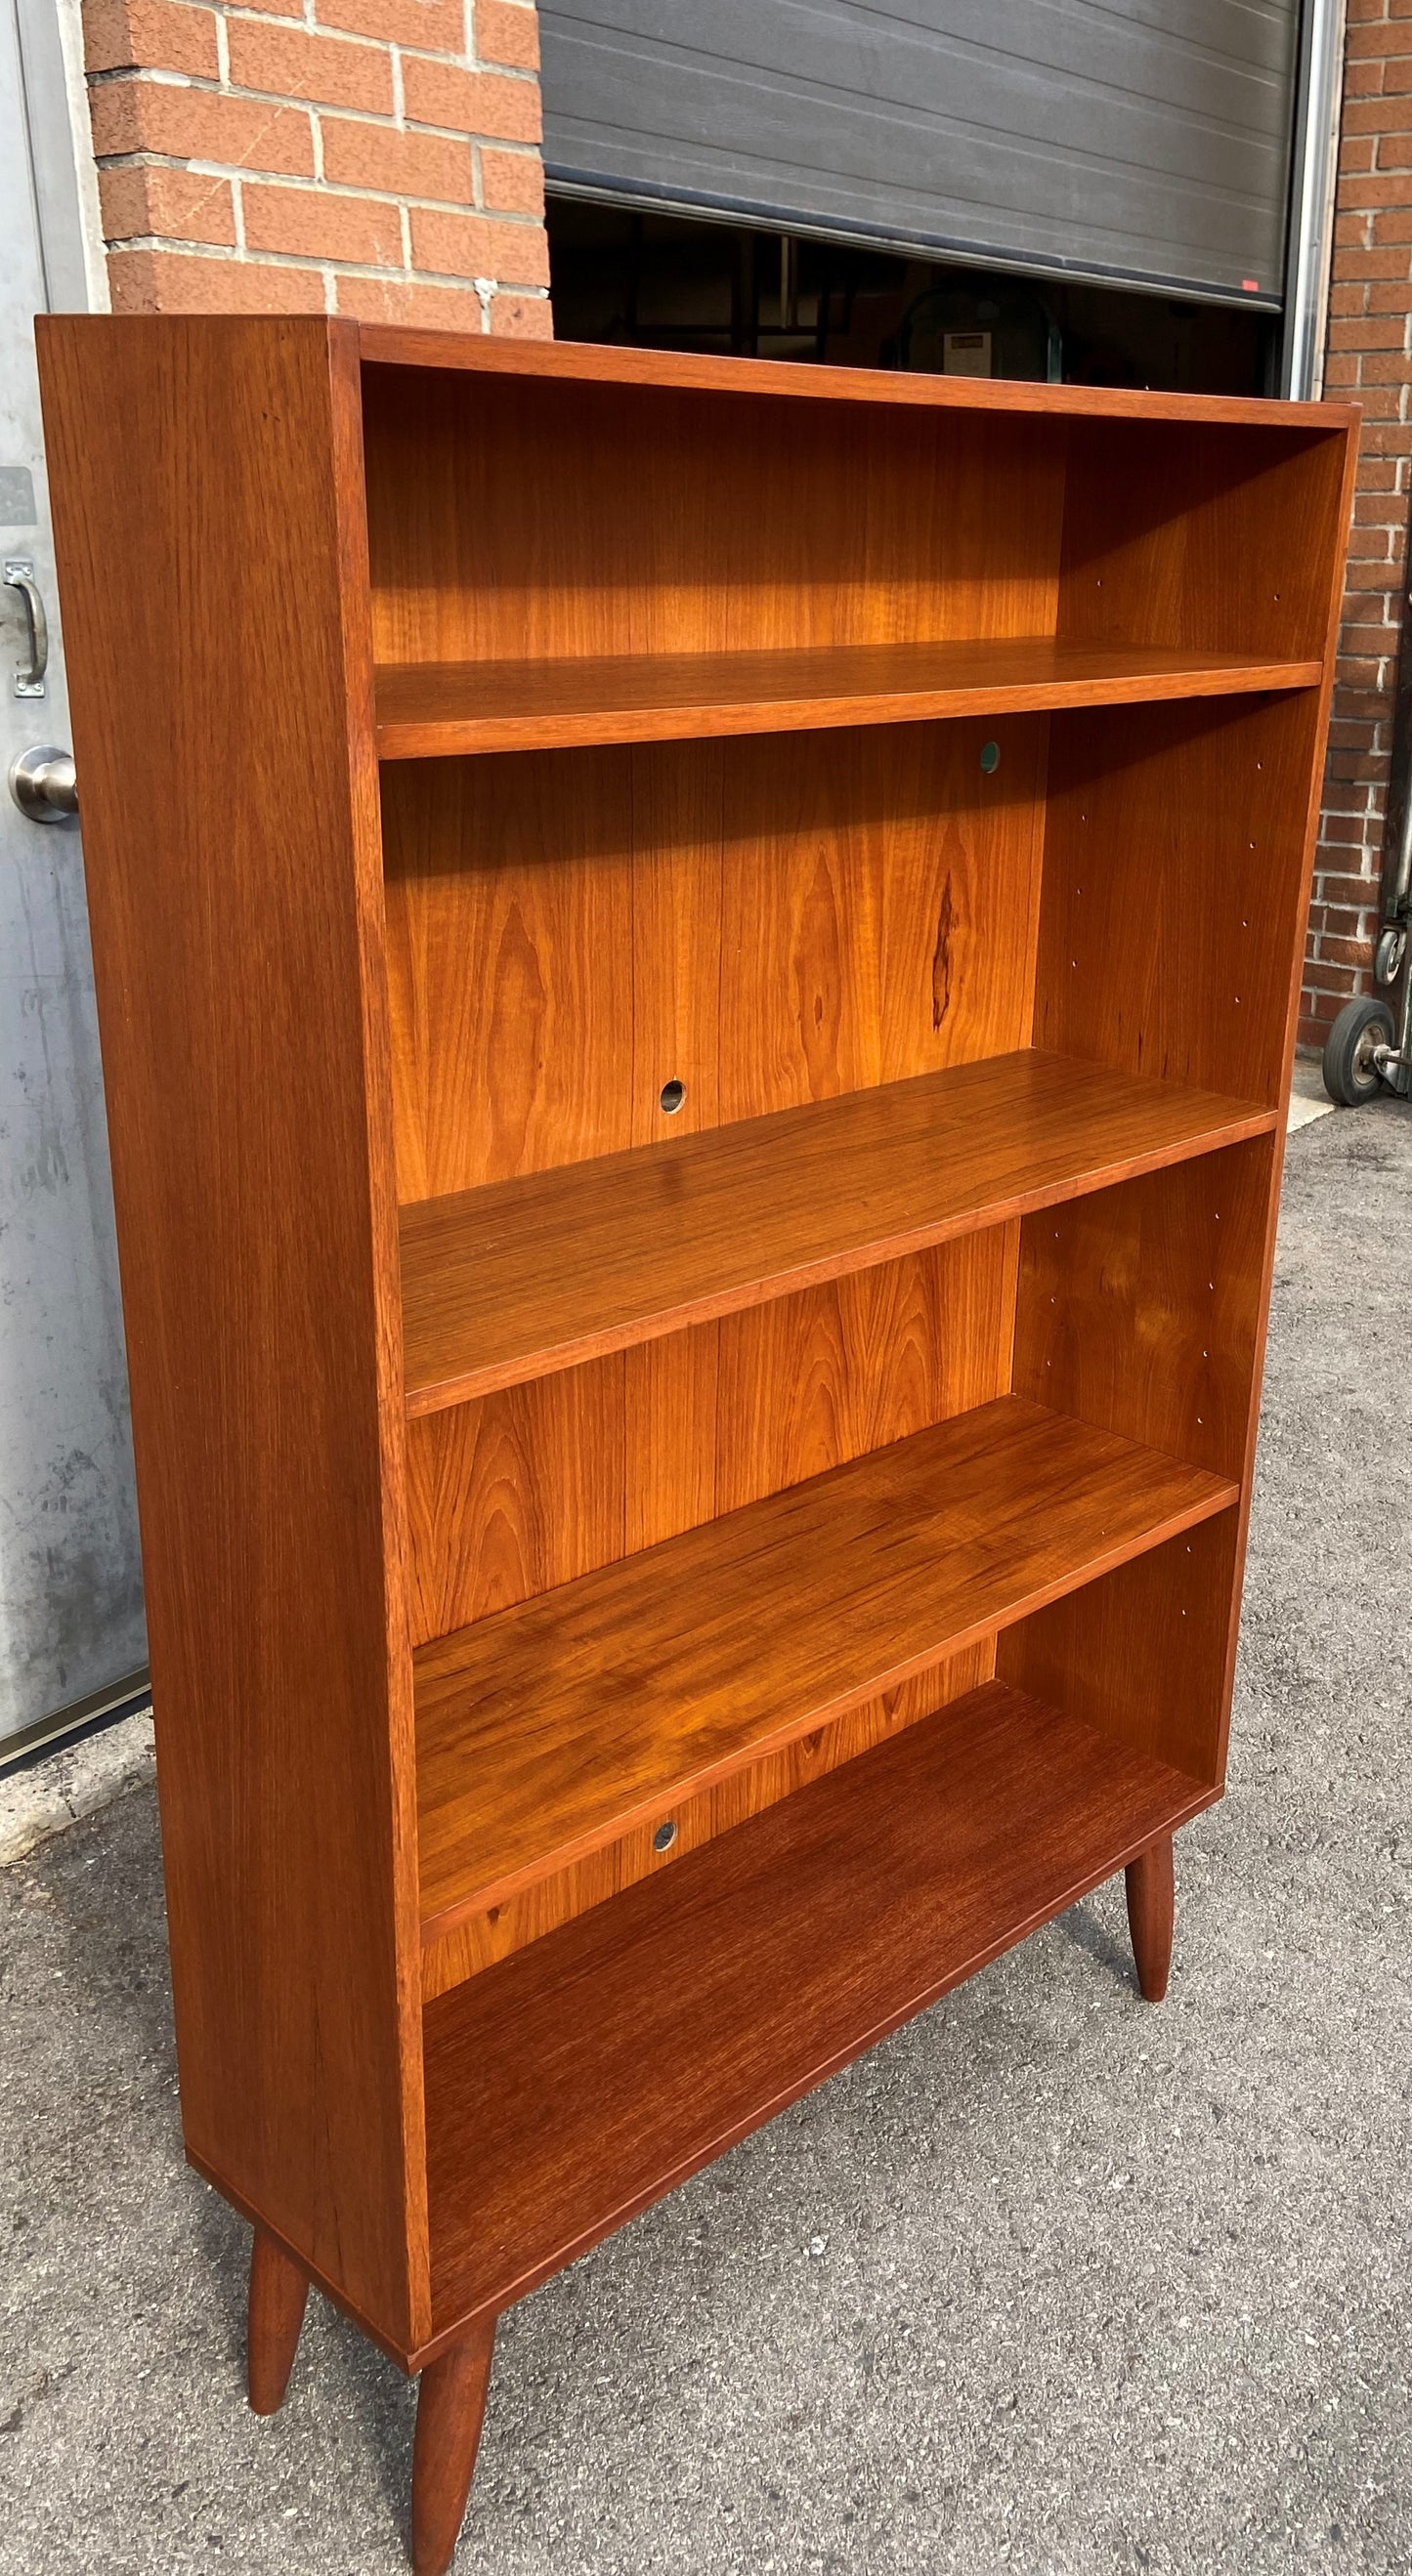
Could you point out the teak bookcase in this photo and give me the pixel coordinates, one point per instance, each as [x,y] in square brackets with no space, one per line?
[696,965]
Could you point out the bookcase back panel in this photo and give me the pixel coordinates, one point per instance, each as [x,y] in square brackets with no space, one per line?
[554,1900]
[765,921]
[1216,538]
[1174,889]
[1139,1307]
[528,1488]
[514,520]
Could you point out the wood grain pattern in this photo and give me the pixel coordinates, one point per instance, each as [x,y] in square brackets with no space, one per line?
[450,2411]
[510,968]
[526,1489]
[433,710]
[1151,1894]
[519,1492]
[278,2296]
[823,1378]
[1143,1652]
[1176,890]
[750,1972]
[395,346]
[238,966]
[1140,1310]
[688,525]
[555,1727]
[673,1425]
[512,1282]
[679,959]
[502,1929]
[1212,542]
[1163,947]
[766,922]
[879,906]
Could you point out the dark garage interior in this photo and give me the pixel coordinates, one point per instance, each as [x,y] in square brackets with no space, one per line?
[643,279]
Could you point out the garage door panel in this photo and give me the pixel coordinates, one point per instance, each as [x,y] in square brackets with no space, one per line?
[1149,139]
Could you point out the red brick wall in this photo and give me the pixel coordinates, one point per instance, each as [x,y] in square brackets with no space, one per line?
[372,157]
[1370,355]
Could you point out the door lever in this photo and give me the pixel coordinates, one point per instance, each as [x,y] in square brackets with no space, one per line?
[29,678]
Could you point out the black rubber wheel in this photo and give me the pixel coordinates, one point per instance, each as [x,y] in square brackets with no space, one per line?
[1350,1075]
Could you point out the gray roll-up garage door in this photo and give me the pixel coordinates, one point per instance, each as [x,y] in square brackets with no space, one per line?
[1143,140]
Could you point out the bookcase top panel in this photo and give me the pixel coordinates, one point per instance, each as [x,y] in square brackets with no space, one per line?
[385,344]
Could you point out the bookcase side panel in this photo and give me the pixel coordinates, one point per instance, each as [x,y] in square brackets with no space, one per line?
[1217,538]
[1142,1654]
[1139,1307]
[1176,863]
[1178,856]
[222,713]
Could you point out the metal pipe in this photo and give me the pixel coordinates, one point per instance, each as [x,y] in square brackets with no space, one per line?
[1313,179]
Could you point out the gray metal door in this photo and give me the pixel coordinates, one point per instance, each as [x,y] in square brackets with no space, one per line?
[70,1587]
[1141,140]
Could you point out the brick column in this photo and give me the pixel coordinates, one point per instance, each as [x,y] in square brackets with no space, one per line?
[372,157]
[1370,355]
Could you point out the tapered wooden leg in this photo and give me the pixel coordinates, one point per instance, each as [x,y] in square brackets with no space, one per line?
[278,2291]
[450,2406]
[1151,1897]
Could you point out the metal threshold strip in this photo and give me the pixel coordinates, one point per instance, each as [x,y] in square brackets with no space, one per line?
[122,1698]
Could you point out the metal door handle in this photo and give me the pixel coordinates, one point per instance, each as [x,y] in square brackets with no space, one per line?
[42,783]
[29,678]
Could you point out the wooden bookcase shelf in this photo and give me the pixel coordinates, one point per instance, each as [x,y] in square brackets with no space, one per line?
[518,1278]
[557,1726]
[761,1964]
[435,710]
[696,1103]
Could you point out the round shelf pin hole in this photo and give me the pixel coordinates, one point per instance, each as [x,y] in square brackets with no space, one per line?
[673,1093]
[665,1836]
[990,757]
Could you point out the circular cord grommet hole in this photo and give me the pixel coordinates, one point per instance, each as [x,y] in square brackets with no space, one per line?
[665,1836]
[673,1093]
[990,757]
